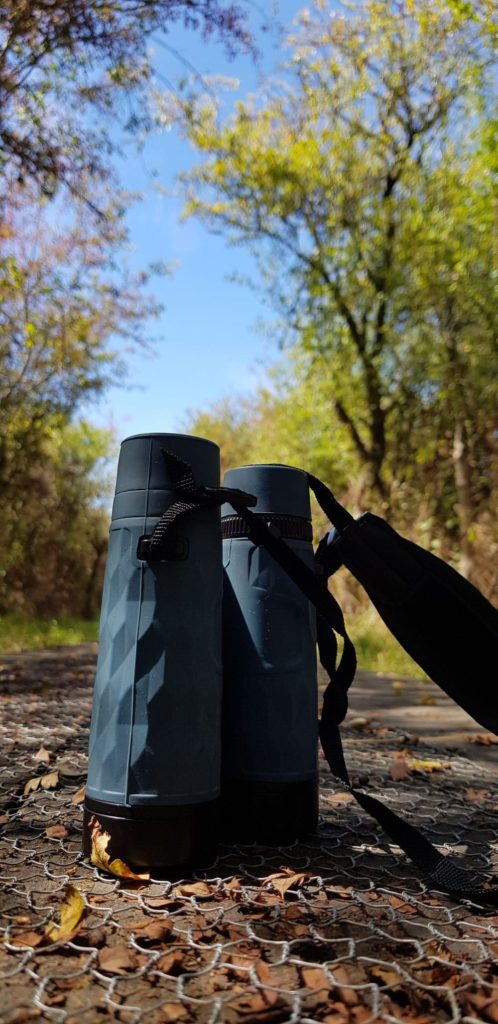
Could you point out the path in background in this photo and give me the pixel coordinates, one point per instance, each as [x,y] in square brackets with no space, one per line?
[356,937]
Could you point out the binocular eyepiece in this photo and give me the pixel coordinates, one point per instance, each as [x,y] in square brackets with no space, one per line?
[204,720]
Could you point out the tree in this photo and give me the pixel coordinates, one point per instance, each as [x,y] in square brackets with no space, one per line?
[64,301]
[70,68]
[321,174]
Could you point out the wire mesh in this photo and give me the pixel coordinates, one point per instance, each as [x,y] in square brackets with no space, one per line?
[347,931]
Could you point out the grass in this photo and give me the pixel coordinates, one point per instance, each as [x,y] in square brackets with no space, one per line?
[376,649]
[19,634]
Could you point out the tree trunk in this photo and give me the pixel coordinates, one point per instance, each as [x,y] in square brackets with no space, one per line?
[465,505]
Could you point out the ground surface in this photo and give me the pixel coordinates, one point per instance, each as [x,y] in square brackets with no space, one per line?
[346,932]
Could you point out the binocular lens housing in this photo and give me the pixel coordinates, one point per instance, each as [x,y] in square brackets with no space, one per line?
[269,787]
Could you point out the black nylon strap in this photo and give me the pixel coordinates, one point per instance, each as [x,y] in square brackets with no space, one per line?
[442,871]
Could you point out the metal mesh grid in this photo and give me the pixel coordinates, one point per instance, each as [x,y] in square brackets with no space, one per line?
[360,939]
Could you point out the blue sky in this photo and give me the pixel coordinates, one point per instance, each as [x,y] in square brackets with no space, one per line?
[206,342]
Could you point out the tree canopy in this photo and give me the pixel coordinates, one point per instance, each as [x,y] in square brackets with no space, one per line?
[364,180]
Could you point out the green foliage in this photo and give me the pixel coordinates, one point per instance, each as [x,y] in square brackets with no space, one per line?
[364,180]
[71,69]
[21,634]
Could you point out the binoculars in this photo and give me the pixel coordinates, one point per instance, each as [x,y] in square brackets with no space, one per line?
[205,718]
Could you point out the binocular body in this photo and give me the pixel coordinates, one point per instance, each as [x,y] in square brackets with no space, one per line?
[185,745]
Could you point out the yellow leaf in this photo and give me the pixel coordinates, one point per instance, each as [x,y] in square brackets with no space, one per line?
[428,766]
[32,785]
[101,859]
[79,796]
[71,912]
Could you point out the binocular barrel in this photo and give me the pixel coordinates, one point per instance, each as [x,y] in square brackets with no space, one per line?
[154,759]
[270,713]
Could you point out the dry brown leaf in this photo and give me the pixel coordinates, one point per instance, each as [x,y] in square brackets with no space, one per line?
[339,799]
[233,884]
[171,963]
[101,859]
[399,904]
[386,975]
[193,889]
[4,819]
[158,902]
[429,765]
[79,796]
[56,832]
[150,930]
[27,939]
[399,768]
[343,983]
[42,755]
[476,795]
[316,979]
[265,977]
[484,739]
[117,959]
[71,912]
[284,880]
[170,1012]
[343,891]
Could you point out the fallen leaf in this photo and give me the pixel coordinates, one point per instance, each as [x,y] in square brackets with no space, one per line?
[282,881]
[360,724]
[485,739]
[402,905]
[101,859]
[386,975]
[430,765]
[316,979]
[4,819]
[79,796]
[476,795]
[339,799]
[426,699]
[232,884]
[71,912]
[343,984]
[27,939]
[171,1012]
[117,959]
[265,977]
[171,963]
[157,902]
[343,891]
[399,768]
[56,832]
[150,930]
[194,889]
[49,781]
[42,755]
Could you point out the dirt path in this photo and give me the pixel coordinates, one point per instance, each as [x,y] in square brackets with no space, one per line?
[346,932]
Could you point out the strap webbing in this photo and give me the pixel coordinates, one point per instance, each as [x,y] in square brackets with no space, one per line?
[445,874]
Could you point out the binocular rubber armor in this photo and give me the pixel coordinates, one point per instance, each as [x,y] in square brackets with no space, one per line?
[155,751]
[160,747]
[270,714]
